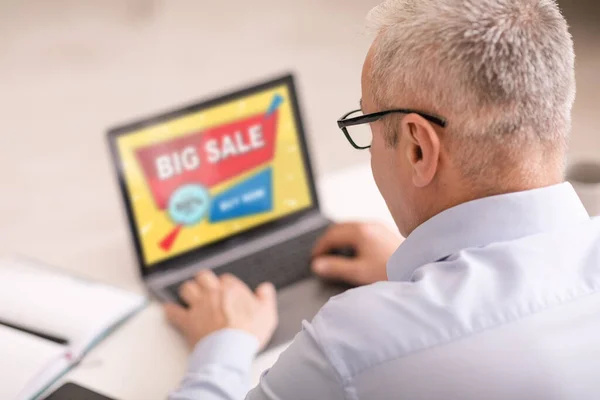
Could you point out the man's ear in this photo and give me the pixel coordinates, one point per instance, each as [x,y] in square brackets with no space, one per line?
[422,148]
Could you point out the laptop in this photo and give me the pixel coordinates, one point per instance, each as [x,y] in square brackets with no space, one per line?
[226,184]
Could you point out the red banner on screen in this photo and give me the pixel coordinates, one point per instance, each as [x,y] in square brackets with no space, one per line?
[208,157]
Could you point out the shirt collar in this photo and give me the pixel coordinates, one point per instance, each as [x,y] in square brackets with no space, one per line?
[484,221]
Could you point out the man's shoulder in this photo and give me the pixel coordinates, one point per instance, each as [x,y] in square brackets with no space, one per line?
[473,291]
[370,325]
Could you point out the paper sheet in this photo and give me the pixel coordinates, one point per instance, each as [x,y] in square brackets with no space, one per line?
[23,359]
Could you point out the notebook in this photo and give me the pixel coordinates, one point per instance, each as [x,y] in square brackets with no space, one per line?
[49,321]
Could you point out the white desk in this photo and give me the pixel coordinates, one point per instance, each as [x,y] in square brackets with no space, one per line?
[146,358]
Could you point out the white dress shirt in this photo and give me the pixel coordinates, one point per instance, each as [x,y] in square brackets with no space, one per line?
[498,298]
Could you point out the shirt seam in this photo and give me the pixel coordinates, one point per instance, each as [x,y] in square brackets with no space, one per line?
[340,379]
[343,382]
[593,291]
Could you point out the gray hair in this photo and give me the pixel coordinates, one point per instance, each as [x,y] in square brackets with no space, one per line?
[501,71]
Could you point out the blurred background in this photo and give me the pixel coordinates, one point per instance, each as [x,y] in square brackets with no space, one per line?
[69,69]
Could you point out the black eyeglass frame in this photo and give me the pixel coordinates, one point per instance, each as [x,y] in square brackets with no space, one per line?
[345,122]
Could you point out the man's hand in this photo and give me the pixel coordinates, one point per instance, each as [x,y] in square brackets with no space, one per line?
[373,243]
[219,303]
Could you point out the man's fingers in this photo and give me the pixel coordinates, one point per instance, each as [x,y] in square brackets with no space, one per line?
[208,280]
[175,314]
[337,268]
[233,283]
[190,292]
[230,280]
[266,293]
[340,235]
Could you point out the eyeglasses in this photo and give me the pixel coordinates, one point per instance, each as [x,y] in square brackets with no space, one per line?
[357,130]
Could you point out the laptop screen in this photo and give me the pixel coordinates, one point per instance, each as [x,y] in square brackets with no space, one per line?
[212,172]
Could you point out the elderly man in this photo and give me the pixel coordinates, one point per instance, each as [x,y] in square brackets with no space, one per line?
[495,292]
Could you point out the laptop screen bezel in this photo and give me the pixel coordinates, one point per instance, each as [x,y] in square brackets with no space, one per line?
[197,254]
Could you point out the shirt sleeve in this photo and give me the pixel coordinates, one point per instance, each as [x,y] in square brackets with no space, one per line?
[301,372]
[220,370]
[219,367]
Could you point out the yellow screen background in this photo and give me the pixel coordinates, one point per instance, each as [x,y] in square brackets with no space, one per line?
[291,192]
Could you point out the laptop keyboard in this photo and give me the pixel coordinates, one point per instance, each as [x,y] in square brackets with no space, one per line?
[282,265]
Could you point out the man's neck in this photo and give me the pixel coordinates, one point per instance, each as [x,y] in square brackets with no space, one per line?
[469,192]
